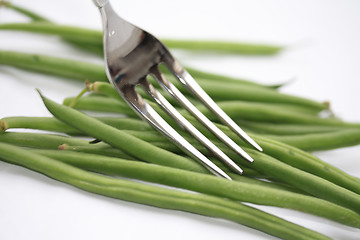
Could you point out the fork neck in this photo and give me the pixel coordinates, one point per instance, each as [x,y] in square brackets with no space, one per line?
[100,3]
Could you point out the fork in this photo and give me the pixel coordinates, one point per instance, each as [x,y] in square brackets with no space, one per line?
[132,54]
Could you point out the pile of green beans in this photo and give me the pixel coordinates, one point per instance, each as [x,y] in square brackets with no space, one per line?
[284,175]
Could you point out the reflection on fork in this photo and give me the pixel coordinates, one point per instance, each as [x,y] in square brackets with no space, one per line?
[131,54]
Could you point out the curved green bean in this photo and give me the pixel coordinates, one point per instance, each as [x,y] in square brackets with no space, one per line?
[118,138]
[287,154]
[241,191]
[265,164]
[294,157]
[156,196]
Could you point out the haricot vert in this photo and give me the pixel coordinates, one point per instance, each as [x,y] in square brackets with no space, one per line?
[156,196]
[290,177]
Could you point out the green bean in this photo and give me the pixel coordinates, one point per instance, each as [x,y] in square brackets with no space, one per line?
[268,113]
[264,112]
[95,49]
[54,125]
[88,36]
[34,16]
[156,196]
[294,157]
[271,108]
[93,72]
[286,129]
[99,148]
[67,68]
[106,150]
[101,104]
[307,182]
[285,153]
[308,162]
[54,66]
[223,47]
[118,138]
[35,140]
[265,164]
[254,111]
[318,141]
[108,90]
[250,191]
[321,141]
[39,123]
[233,91]
[198,74]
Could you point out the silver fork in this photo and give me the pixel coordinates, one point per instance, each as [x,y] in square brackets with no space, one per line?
[131,54]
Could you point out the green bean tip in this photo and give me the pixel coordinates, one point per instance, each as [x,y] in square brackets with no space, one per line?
[39,92]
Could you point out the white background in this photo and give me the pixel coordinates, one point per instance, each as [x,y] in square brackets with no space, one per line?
[323,54]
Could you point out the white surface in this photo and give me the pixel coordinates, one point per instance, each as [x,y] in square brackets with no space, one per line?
[324,56]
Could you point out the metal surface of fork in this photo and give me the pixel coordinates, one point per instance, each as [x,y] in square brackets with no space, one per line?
[131,54]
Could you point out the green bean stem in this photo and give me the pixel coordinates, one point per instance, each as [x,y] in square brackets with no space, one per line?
[156,196]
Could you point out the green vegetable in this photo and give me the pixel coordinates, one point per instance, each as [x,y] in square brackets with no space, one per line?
[118,138]
[34,16]
[286,129]
[208,184]
[54,66]
[322,141]
[156,196]
[91,37]
[265,164]
[52,124]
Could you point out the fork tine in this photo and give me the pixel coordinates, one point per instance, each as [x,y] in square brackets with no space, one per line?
[149,114]
[201,117]
[195,88]
[185,78]
[183,122]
